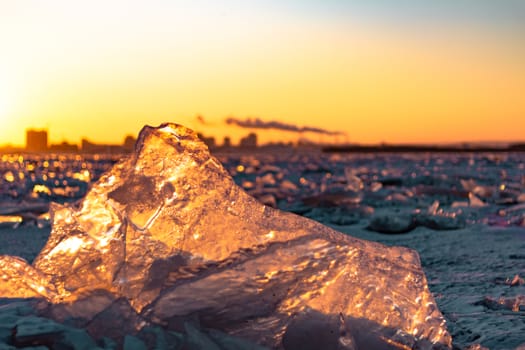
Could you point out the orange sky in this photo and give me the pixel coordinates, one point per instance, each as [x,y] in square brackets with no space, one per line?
[446,71]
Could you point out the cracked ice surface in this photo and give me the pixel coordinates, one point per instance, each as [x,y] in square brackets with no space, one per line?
[166,237]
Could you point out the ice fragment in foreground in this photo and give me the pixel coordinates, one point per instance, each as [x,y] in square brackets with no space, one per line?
[166,238]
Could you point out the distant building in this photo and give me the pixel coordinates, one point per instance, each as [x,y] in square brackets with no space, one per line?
[249,141]
[227,142]
[63,147]
[10,149]
[89,147]
[36,140]
[129,144]
[209,141]
[127,147]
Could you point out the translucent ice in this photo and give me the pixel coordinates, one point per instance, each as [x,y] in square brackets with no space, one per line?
[474,201]
[166,238]
[516,303]
[392,222]
[353,183]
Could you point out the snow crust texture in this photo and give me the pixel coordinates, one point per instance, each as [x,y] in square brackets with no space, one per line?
[166,239]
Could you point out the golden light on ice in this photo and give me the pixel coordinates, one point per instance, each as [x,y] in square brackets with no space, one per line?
[41,189]
[82,176]
[9,177]
[180,238]
[69,246]
[11,218]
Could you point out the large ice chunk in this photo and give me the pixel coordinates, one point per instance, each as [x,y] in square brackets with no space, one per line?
[168,235]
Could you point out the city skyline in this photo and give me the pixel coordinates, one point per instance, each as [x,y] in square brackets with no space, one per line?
[37,140]
[247,125]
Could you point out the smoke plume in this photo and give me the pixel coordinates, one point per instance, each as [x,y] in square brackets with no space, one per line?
[256,123]
[201,120]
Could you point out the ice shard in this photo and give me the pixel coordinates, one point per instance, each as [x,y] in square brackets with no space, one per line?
[168,236]
[19,280]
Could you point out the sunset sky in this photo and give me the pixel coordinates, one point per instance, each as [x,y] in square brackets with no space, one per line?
[382,71]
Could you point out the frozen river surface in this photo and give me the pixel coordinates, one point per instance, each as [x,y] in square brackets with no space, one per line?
[464,214]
